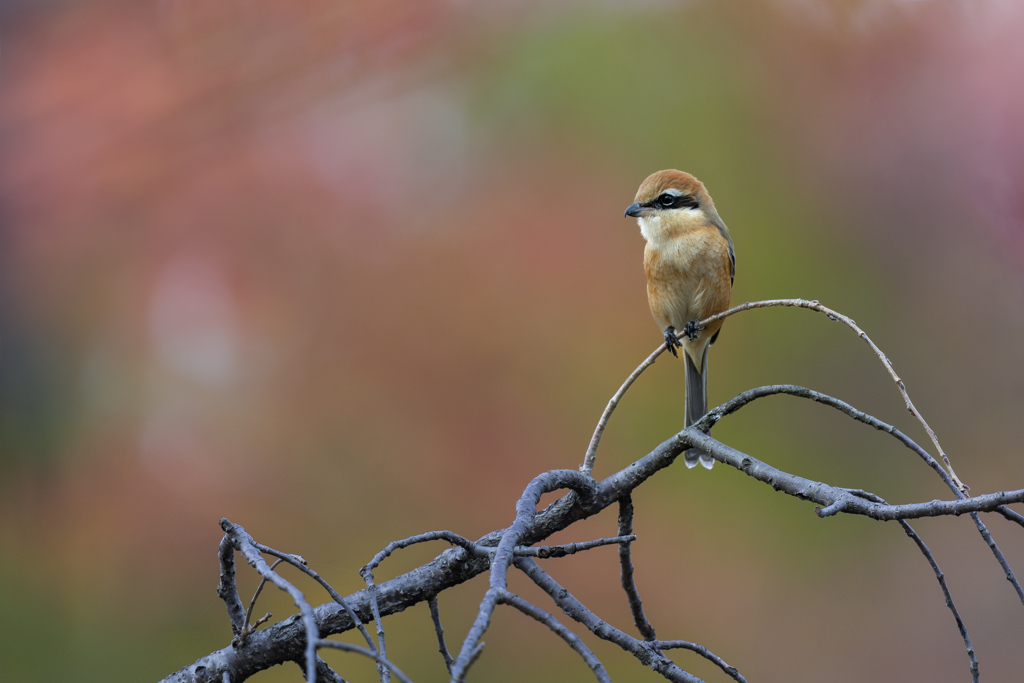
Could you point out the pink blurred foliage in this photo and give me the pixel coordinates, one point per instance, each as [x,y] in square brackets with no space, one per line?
[918,103]
[248,229]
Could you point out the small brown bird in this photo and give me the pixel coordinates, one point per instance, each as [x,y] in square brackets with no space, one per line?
[690,264]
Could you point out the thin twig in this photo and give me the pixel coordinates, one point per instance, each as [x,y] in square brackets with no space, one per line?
[385,675]
[300,564]
[227,590]
[591,455]
[588,461]
[518,551]
[826,495]
[1011,515]
[938,575]
[435,616]
[549,551]
[565,634]
[325,674]
[449,536]
[1007,572]
[647,653]
[479,550]
[834,315]
[703,652]
[747,397]
[636,605]
[381,661]
[259,589]
[245,544]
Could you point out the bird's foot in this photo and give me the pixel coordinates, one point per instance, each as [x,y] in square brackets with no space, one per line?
[671,341]
[692,329]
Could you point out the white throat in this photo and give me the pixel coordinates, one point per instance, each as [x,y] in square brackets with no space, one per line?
[650,228]
[655,231]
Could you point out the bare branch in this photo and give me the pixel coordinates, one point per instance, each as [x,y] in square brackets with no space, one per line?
[227,590]
[324,673]
[703,652]
[938,575]
[647,653]
[1011,515]
[252,603]
[747,397]
[591,455]
[449,536]
[300,564]
[381,661]
[244,543]
[385,675]
[526,513]
[565,634]
[1010,576]
[435,615]
[829,496]
[283,641]
[833,315]
[636,605]
[550,551]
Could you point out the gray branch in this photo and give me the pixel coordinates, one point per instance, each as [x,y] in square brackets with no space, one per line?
[435,616]
[941,579]
[647,653]
[289,640]
[636,605]
[792,390]
[565,634]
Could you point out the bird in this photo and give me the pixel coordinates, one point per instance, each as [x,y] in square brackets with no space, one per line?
[690,264]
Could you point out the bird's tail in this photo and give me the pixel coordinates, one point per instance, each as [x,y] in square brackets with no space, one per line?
[696,405]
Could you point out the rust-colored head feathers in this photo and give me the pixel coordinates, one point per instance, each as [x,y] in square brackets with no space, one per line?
[671,192]
[673,182]
[671,202]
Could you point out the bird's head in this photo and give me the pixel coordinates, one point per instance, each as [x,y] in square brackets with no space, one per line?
[669,202]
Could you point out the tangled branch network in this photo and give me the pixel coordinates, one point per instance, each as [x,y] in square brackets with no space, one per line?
[298,638]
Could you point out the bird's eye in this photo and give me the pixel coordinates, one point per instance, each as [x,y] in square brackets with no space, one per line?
[667,200]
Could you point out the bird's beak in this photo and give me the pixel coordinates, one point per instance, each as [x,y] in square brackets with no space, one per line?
[636,210]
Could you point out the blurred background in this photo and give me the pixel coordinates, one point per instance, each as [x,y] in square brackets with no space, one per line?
[346,272]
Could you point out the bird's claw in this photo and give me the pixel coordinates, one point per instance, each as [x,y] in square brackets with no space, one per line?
[672,341]
[692,329]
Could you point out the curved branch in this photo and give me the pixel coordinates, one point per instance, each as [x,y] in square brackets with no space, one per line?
[644,651]
[381,660]
[591,455]
[324,673]
[526,513]
[734,404]
[245,544]
[301,565]
[703,652]
[941,579]
[836,498]
[561,631]
[227,590]
[636,605]
[435,616]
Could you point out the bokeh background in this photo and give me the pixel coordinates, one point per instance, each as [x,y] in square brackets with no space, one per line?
[345,272]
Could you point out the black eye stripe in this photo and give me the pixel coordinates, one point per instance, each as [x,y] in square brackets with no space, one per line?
[671,201]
